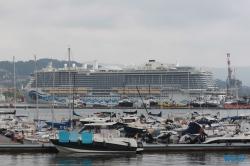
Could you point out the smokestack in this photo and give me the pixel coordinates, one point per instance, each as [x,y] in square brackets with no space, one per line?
[95,66]
[84,66]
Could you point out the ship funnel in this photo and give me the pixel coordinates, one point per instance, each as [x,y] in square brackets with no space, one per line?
[95,66]
[65,65]
[84,66]
[73,65]
[177,64]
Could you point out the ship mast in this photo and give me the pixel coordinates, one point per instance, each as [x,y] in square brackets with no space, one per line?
[70,112]
[53,107]
[36,88]
[14,83]
[236,91]
[188,93]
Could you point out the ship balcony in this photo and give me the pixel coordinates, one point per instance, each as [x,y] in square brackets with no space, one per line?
[141,91]
[67,91]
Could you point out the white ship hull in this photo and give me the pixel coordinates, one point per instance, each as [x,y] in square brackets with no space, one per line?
[175,97]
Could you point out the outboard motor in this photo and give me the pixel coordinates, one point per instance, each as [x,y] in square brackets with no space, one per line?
[150,137]
[164,137]
[147,137]
[201,138]
[187,140]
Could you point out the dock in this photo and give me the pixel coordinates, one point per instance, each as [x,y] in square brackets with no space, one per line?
[116,107]
[7,145]
[196,147]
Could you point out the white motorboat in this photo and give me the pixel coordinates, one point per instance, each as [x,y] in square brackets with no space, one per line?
[94,138]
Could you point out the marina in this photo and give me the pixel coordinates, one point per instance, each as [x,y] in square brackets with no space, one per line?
[124,83]
[7,145]
[154,154]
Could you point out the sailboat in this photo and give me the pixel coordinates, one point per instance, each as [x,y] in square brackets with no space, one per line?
[61,125]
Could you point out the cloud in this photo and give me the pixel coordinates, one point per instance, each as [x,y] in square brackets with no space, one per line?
[195,33]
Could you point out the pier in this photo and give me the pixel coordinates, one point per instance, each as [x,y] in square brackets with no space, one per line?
[116,107]
[195,147]
[7,145]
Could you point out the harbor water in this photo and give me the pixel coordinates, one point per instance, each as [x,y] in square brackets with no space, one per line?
[147,159]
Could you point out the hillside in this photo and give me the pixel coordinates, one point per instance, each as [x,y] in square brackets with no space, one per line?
[24,69]
[28,67]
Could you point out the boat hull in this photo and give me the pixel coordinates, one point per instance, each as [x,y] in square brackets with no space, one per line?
[134,130]
[125,104]
[95,147]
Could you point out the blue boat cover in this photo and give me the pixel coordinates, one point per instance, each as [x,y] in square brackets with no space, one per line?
[204,121]
[193,128]
[59,125]
[63,136]
[87,137]
[73,136]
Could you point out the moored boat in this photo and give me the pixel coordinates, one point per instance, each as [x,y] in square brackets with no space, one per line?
[94,138]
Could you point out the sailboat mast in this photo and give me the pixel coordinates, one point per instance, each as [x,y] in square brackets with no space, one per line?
[14,82]
[36,88]
[236,86]
[74,92]
[53,99]
[188,93]
[70,112]
[161,94]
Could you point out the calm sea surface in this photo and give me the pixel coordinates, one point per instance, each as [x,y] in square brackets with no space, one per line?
[147,159]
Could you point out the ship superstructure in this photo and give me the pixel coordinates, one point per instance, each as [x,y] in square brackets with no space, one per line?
[168,82]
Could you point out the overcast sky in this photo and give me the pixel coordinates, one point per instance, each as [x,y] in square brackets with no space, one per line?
[193,32]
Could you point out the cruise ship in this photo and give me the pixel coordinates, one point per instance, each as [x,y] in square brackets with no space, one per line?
[164,81]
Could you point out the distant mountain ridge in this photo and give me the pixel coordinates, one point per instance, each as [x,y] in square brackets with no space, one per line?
[28,67]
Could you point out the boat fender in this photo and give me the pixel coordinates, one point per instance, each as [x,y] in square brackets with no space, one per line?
[104,143]
[93,143]
[110,137]
[79,142]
